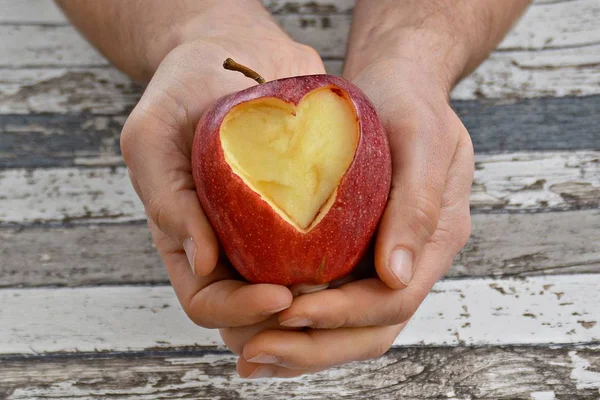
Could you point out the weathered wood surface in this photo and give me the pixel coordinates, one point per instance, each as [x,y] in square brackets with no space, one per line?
[514,182]
[509,373]
[553,51]
[536,181]
[500,245]
[537,310]
[81,138]
[62,90]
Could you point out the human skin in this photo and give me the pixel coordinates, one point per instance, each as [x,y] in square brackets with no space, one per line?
[406,56]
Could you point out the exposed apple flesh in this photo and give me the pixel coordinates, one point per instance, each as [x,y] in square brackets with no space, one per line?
[293,157]
[293,198]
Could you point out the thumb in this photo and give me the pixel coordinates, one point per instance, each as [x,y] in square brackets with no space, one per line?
[413,208]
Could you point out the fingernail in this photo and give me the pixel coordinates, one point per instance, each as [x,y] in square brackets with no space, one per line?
[190,251]
[262,372]
[401,265]
[297,322]
[308,288]
[264,358]
[276,310]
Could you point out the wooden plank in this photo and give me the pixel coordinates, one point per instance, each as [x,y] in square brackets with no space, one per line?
[30,12]
[60,140]
[532,124]
[516,373]
[513,182]
[45,46]
[61,90]
[530,181]
[73,139]
[557,309]
[501,245]
[523,74]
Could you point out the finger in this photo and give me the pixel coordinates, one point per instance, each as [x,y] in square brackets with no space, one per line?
[421,161]
[455,220]
[370,302]
[217,300]
[367,302]
[236,337]
[160,169]
[287,354]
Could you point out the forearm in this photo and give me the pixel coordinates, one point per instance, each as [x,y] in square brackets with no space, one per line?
[135,35]
[448,38]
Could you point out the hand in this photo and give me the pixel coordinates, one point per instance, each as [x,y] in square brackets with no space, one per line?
[425,224]
[156,145]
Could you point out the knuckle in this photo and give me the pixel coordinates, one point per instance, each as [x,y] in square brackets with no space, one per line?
[423,216]
[231,340]
[157,210]
[127,140]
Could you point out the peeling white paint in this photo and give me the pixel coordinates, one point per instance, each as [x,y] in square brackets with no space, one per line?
[519,181]
[126,318]
[549,395]
[581,375]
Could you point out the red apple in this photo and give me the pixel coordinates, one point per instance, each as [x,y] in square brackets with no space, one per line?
[293,176]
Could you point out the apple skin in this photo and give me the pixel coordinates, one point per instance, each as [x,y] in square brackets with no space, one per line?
[262,246]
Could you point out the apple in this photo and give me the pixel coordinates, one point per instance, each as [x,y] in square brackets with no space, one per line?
[293,175]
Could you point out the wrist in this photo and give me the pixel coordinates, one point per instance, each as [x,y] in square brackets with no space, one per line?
[208,20]
[430,44]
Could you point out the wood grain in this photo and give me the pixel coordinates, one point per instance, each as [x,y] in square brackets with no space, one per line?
[558,309]
[500,245]
[509,373]
[100,90]
[512,182]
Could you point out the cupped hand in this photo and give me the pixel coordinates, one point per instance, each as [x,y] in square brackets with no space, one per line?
[425,224]
[156,144]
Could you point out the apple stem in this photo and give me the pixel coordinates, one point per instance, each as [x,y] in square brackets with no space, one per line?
[231,65]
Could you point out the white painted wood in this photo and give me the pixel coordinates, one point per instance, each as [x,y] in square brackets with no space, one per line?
[101,90]
[24,46]
[540,310]
[527,181]
[527,74]
[68,194]
[519,181]
[30,12]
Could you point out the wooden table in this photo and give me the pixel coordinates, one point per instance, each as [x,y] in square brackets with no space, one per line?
[85,306]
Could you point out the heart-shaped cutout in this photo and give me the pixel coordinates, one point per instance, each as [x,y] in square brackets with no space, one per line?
[294,157]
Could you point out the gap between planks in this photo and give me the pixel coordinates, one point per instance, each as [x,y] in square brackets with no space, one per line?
[546,310]
[117,254]
[491,373]
[513,182]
